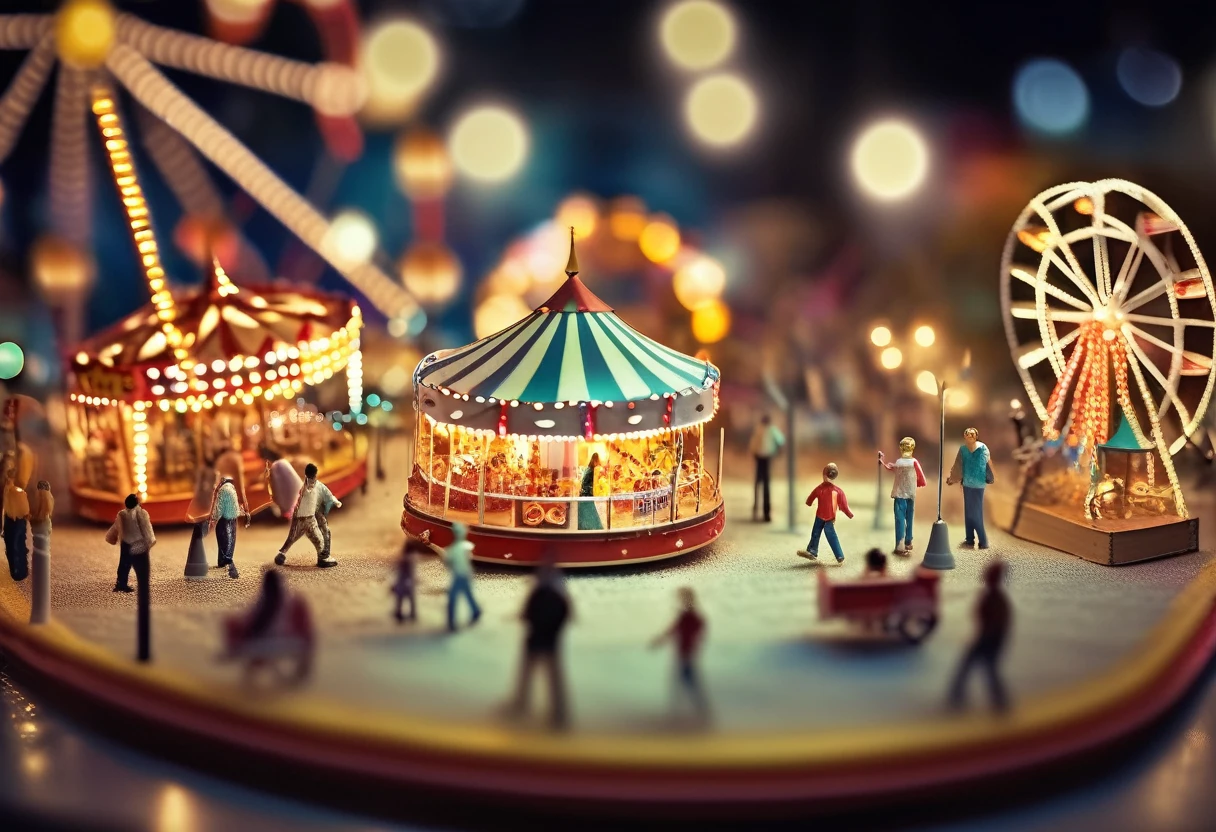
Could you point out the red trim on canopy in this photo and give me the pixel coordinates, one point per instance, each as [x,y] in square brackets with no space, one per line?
[573,296]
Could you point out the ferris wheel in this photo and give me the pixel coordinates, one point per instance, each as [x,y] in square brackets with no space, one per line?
[1102,282]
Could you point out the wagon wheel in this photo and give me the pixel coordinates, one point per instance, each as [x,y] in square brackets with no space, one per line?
[916,623]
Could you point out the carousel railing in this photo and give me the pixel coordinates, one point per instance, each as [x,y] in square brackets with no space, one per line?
[655,507]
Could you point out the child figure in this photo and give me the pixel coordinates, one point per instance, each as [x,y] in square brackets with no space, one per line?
[831,498]
[908,478]
[876,565]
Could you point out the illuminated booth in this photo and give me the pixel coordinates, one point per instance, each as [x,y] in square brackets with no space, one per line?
[508,429]
[143,413]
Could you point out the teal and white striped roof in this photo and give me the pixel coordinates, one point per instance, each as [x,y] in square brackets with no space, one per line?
[573,348]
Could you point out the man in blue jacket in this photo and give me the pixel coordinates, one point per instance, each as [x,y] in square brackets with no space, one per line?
[973,468]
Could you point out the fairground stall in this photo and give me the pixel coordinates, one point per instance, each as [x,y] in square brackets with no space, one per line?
[144,413]
[568,430]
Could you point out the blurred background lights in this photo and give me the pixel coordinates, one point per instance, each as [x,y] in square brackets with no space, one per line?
[430,272]
[924,336]
[422,164]
[1149,77]
[1050,96]
[400,61]
[579,212]
[880,336]
[697,34]
[488,143]
[627,218]
[659,240]
[721,110]
[351,237]
[926,382]
[890,160]
[237,11]
[891,358]
[698,282]
[711,322]
[496,313]
[12,359]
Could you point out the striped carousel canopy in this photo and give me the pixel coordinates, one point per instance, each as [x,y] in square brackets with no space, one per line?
[573,348]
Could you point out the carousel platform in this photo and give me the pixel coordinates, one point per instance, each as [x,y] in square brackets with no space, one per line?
[522,547]
[1114,541]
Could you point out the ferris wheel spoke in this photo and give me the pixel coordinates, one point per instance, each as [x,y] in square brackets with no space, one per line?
[24,31]
[1028,311]
[23,91]
[71,205]
[1170,322]
[1074,270]
[1080,282]
[1025,275]
[1034,354]
[1152,292]
[1189,363]
[1127,272]
[1170,396]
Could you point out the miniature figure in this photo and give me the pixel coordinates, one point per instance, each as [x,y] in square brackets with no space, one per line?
[279,626]
[876,565]
[16,512]
[405,586]
[767,440]
[226,509]
[831,498]
[308,518]
[687,632]
[42,506]
[994,615]
[546,613]
[973,467]
[588,515]
[132,531]
[908,478]
[458,557]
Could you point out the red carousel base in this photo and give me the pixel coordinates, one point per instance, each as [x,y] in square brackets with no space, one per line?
[92,505]
[522,548]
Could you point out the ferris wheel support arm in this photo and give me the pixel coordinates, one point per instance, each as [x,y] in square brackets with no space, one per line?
[180,166]
[155,92]
[23,91]
[1170,396]
[1074,271]
[332,89]
[71,191]
[23,31]
[1163,452]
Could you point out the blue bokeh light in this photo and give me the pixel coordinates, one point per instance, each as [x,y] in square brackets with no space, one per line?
[1050,96]
[1149,77]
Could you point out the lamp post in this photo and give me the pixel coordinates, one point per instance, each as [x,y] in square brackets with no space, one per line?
[938,554]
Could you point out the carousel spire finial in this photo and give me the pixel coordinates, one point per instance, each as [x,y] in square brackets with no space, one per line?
[572,263]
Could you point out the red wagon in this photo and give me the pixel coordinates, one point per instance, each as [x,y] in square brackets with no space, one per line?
[906,607]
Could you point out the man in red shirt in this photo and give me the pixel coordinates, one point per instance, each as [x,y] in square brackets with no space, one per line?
[687,632]
[831,497]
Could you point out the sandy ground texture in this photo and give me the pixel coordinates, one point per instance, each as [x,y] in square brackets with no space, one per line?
[768,663]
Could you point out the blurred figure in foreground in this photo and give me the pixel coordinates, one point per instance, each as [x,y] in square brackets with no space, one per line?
[459,559]
[545,614]
[876,565]
[277,627]
[767,440]
[15,515]
[42,506]
[994,616]
[405,586]
[687,631]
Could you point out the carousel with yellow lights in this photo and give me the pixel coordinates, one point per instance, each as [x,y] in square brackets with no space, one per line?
[569,431]
[1109,309]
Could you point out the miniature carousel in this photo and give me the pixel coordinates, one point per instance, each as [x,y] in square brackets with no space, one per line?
[1109,311]
[149,404]
[569,430]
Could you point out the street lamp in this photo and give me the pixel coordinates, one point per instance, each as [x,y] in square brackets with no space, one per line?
[938,554]
[64,275]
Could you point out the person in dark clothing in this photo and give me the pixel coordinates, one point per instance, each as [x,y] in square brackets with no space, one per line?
[994,615]
[688,631]
[269,604]
[406,584]
[545,613]
[132,531]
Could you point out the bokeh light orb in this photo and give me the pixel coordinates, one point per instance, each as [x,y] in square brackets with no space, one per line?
[711,322]
[510,278]
[579,212]
[926,382]
[12,359]
[698,282]
[627,218]
[351,237]
[497,312]
[237,11]
[880,336]
[400,60]
[62,271]
[489,143]
[890,160]
[891,357]
[924,336]
[85,32]
[431,273]
[1149,77]
[422,164]
[660,239]
[721,110]
[1050,96]
[697,34]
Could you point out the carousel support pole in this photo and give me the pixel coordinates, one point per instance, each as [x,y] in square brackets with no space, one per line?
[481,483]
[608,454]
[447,486]
[700,463]
[675,475]
[721,450]
[430,462]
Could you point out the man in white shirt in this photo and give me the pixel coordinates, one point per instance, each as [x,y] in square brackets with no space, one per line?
[308,518]
[458,557]
[766,441]
[908,478]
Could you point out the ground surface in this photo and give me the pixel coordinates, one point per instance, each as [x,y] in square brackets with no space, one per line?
[769,665]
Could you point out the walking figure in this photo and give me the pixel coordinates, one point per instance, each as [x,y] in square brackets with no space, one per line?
[994,616]
[308,518]
[15,512]
[973,467]
[132,531]
[688,631]
[767,440]
[227,507]
[831,499]
[405,586]
[459,559]
[545,614]
[908,478]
